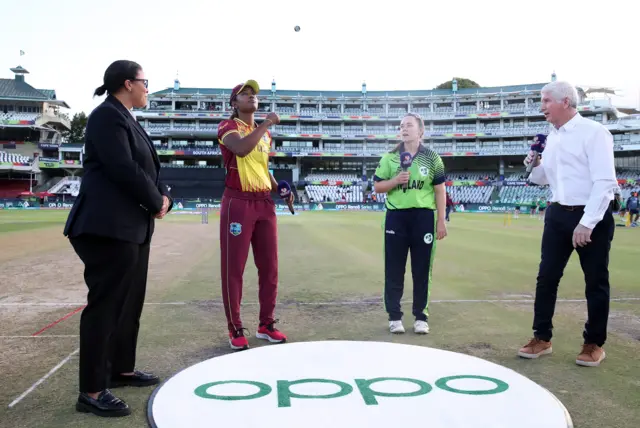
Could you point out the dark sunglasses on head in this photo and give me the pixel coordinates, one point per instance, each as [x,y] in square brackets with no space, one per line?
[144,81]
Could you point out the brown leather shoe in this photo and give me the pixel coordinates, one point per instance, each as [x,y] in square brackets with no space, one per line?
[591,355]
[535,348]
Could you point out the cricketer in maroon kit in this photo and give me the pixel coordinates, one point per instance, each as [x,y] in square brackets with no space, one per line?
[247,215]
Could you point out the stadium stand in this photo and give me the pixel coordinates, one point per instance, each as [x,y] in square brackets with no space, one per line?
[515,176]
[523,194]
[623,174]
[470,194]
[324,138]
[475,175]
[13,158]
[320,193]
[332,177]
[19,116]
[66,186]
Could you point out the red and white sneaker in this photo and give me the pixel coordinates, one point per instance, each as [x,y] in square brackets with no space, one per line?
[270,333]
[237,339]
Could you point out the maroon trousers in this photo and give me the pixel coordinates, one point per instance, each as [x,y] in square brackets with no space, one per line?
[248,218]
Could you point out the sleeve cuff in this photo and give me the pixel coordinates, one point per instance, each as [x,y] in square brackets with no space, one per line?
[376,178]
[589,221]
[438,180]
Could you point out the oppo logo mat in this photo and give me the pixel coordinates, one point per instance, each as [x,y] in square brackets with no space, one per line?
[352,384]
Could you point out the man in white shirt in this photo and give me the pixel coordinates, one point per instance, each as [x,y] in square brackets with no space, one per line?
[578,166]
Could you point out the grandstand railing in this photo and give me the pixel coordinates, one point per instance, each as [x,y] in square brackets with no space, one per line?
[347,114]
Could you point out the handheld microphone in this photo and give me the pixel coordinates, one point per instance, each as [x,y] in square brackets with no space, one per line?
[405,162]
[537,147]
[284,190]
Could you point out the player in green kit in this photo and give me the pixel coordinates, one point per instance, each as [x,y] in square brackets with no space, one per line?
[415,219]
[542,206]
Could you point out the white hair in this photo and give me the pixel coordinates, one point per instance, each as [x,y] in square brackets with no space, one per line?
[560,90]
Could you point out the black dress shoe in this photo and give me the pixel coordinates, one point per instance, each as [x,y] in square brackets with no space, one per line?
[137,379]
[106,405]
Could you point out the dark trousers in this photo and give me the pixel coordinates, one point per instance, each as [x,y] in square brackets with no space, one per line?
[116,275]
[449,208]
[411,229]
[557,247]
[248,219]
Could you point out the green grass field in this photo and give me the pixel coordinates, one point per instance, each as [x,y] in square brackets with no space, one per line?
[331,281]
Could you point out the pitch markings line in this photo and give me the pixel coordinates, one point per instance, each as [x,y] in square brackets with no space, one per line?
[43,378]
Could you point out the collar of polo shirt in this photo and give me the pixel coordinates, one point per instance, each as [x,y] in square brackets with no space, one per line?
[421,148]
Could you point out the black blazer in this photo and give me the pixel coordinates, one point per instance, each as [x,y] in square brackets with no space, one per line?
[120,192]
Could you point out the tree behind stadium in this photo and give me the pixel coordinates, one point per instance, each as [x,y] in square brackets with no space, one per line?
[78,126]
[462,83]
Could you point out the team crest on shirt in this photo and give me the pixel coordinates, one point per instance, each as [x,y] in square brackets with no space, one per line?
[235,229]
[428,238]
[424,171]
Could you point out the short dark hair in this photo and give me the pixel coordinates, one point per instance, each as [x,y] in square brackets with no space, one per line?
[116,74]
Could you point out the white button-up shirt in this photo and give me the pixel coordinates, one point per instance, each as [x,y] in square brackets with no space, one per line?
[577,164]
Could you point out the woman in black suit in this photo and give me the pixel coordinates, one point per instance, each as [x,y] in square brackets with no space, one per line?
[110,228]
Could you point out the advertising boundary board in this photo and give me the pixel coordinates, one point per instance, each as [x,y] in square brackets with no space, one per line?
[196,207]
[374,400]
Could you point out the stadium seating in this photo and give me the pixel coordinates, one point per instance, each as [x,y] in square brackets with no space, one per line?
[331,110]
[471,175]
[66,186]
[13,158]
[628,174]
[179,165]
[309,129]
[470,194]
[159,126]
[332,177]
[285,129]
[380,197]
[182,126]
[19,116]
[523,194]
[515,176]
[284,109]
[319,193]
[627,190]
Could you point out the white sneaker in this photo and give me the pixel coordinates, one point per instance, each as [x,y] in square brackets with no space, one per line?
[396,327]
[421,327]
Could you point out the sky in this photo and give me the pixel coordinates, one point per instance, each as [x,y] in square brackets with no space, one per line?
[398,45]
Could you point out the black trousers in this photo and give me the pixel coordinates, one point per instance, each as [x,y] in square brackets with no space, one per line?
[410,229]
[116,275]
[557,247]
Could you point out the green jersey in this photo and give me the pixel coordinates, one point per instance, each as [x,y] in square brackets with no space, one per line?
[426,171]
